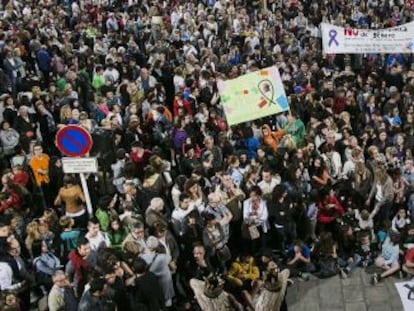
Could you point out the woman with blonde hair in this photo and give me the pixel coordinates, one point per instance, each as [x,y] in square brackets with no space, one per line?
[362,178]
[33,234]
[346,117]
[87,123]
[383,191]
[51,219]
[65,114]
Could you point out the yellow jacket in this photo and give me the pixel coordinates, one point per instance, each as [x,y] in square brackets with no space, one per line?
[240,271]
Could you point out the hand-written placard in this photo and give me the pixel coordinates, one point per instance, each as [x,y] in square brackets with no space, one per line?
[406,292]
[253,96]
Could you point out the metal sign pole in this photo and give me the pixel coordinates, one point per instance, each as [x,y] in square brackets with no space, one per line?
[76,142]
[86,193]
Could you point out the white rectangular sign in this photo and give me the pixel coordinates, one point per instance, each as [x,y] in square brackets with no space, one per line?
[339,40]
[79,165]
[406,292]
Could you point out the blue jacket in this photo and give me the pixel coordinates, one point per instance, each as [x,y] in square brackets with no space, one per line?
[251,144]
[44,60]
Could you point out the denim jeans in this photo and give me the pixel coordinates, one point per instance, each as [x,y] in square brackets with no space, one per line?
[350,265]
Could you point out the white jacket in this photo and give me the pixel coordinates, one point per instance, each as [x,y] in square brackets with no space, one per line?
[262,214]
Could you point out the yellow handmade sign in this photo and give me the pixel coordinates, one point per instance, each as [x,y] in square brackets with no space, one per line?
[252,96]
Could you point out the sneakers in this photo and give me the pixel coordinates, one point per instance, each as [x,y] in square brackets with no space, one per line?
[344,275]
[305,276]
[374,279]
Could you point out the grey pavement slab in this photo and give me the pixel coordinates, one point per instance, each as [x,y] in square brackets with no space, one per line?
[376,294]
[355,306]
[352,294]
[380,307]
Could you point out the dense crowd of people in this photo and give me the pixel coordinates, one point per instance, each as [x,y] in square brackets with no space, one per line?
[187,212]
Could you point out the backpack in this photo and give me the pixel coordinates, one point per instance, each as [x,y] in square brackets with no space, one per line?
[328,267]
[42,278]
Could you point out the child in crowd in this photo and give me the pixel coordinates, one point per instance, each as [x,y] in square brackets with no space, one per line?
[365,249]
[299,260]
[388,260]
[68,237]
[401,221]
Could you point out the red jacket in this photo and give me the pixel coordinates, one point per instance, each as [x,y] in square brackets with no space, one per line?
[327,215]
[12,202]
[185,104]
[80,266]
[21,178]
[140,162]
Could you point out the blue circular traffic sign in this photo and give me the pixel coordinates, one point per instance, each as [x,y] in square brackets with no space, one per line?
[73,141]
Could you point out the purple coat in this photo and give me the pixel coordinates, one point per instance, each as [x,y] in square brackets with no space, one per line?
[179,137]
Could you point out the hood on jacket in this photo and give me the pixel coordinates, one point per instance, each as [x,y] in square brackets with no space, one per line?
[266,127]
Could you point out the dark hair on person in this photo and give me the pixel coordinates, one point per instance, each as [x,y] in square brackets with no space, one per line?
[97,284]
[139,265]
[188,147]
[326,244]
[93,221]
[82,240]
[208,217]
[183,196]
[37,144]
[180,182]
[256,189]
[68,180]
[108,269]
[278,191]
[37,248]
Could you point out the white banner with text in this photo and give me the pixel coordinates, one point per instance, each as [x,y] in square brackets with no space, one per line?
[339,40]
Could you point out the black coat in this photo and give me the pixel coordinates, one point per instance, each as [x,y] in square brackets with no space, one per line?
[22,126]
[147,293]
[9,115]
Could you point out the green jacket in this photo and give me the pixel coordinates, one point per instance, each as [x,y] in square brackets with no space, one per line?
[297,131]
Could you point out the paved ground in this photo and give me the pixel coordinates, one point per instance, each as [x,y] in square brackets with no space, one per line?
[352,294]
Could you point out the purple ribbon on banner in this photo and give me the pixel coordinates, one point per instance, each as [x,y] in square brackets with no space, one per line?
[332,37]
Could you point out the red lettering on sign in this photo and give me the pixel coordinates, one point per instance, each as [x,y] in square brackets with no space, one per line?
[351,32]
